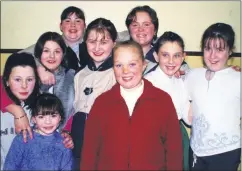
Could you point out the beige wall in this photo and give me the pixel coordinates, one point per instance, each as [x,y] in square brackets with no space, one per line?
[23,22]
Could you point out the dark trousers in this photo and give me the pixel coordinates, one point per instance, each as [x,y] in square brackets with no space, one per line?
[228,161]
[77,133]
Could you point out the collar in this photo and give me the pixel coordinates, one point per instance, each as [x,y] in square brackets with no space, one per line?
[148,92]
[107,64]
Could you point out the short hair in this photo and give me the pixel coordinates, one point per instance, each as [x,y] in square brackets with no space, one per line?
[47,104]
[129,43]
[223,32]
[15,60]
[169,36]
[101,25]
[51,36]
[150,11]
[72,10]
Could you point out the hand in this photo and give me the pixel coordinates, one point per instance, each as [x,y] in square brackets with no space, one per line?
[22,124]
[68,142]
[236,68]
[179,73]
[46,77]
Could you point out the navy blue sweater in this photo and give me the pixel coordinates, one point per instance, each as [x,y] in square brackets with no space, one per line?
[40,153]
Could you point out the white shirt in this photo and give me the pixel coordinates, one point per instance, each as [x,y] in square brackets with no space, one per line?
[175,88]
[216,111]
[131,96]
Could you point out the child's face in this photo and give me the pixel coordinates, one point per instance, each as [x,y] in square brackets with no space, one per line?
[170,56]
[142,29]
[216,55]
[72,28]
[128,67]
[22,81]
[51,56]
[47,124]
[99,46]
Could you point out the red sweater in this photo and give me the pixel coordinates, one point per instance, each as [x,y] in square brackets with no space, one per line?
[148,140]
[5,100]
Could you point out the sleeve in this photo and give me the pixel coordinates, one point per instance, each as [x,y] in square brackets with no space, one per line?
[92,138]
[186,105]
[5,100]
[67,160]
[173,143]
[15,154]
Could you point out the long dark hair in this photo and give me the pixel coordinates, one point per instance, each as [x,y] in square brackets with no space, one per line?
[20,59]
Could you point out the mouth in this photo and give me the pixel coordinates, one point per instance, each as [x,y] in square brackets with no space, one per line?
[98,53]
[141,35]
[48,128]
[127,79]
[170,67]
[24,93]
[51,61]
[73,31]
[213,62]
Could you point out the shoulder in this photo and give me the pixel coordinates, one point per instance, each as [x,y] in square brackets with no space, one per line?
[195,73]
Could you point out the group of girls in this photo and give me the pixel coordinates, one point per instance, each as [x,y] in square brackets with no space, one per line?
[122,103]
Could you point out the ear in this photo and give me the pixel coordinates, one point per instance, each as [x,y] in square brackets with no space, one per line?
[184,56]
[60,27]
[33,119]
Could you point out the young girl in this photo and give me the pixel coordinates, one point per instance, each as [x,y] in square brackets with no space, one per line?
[170,50]
[215,95]
[143,23]
[46,150]
[21,83]
[96,78]
[134,125]
[50,50]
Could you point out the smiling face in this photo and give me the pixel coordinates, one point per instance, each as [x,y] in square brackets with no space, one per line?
[99,46]
[73,29]
[52,55]
[142,30]
[170,57]
[216,54]
[47,124]
[21,82]
[128,67]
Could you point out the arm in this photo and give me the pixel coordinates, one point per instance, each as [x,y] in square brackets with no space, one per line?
[173,143]
[22,123]
[67,161]
[92,138]
[15,154]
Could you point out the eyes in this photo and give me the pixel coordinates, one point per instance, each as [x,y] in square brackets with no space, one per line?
[57,51]
[176,55]
[19,80]
[102,42]
[217,49]
[77,21]
[40,116]
[145,24]
[131,65]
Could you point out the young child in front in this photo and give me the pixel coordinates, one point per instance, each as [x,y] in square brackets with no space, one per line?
[46,150]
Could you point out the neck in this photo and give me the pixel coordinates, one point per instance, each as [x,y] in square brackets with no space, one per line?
[146,48]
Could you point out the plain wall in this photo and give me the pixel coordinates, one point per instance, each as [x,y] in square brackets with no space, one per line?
[23,22]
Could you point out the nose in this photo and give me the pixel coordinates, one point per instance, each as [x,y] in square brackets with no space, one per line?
[73,23]
[52,54]
[48,119]
[125,69]
[140,28]
[170,60]
[97,46]
[24,84]
[212,54]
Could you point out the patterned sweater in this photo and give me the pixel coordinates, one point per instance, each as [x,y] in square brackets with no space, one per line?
[40,153]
